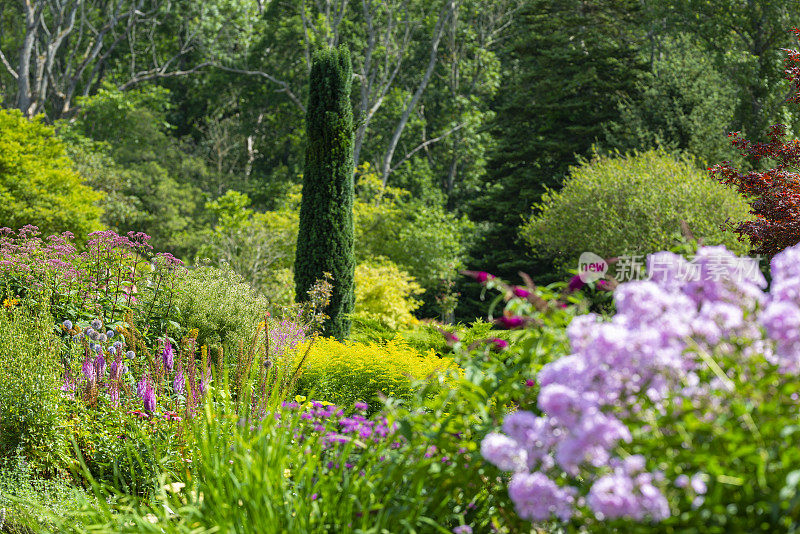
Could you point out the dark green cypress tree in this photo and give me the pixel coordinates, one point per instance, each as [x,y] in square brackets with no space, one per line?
[325,239]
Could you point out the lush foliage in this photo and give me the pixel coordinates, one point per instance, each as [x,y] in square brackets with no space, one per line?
[31,409]
[219,305]
[38,182]
[325,237]
[385,293]
[346,372]
[631,205]
[120,142]
[773,194]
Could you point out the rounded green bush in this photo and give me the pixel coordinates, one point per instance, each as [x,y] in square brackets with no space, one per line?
[220,305]
[632,205]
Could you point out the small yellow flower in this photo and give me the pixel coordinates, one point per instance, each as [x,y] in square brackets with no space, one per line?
[300,398]
[10,302]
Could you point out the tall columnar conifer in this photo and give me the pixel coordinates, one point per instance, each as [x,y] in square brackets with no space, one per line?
[325,238]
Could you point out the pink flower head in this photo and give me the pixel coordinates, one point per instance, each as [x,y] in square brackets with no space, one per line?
[575,284]
[480,276]
[498,344]
[521,292]
[513,321]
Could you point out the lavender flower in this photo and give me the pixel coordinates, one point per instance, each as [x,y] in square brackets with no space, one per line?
[89,371]
[537,498]
[504,452]
[149,398]
[100,366]
[167,355]
[179,383]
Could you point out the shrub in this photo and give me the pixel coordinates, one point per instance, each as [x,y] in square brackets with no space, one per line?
[344,373]
[220,305]
[632,205]
[385,293]
[258,246]
[427,241]
[31,408]
[37,180]
[325,238]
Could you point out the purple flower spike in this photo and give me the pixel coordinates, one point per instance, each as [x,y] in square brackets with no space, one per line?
[169,358]
[89,371]
[100,365]
[179,383]
[149,398]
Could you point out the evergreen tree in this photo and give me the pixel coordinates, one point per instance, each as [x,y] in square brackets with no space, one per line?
[325,238]
[567,66]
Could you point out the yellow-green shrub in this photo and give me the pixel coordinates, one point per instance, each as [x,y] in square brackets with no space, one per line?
[346,372]
[385,293]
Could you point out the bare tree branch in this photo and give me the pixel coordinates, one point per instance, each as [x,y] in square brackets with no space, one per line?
[446,12]
[284,86]
[427,143]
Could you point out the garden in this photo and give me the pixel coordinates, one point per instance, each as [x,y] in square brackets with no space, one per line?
[396,267]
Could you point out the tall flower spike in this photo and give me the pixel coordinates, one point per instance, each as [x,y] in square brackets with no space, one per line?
[167,354]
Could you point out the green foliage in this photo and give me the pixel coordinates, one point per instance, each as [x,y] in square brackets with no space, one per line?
[343,373]
[261,473]
[31,407]
[38,184]
[682,104]
[325,237]
[424,336]
[220,304]
[30,501]
[425,240]
[569,64]
[632,205]
[122,143]
[385,293]
[258,246]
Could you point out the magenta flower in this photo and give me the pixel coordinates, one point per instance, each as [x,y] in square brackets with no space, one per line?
[179,383]
[498,344]
[521,292]
[575,284]
[167,355]
[480,276]
[149,398]
[513,321]
[89,371]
